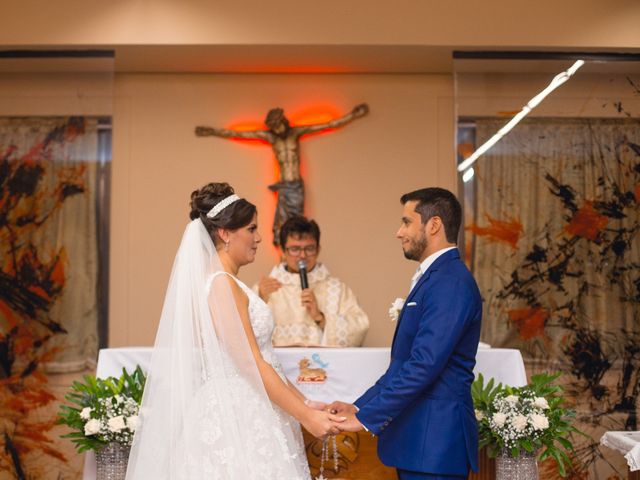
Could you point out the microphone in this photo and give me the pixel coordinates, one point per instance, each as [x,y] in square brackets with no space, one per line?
[304,281]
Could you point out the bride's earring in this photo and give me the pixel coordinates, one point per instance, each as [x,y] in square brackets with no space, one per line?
[226,246]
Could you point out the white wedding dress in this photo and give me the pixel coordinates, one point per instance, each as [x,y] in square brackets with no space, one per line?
[205,413]
[272,450]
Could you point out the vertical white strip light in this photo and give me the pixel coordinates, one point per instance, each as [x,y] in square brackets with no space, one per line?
[533,103]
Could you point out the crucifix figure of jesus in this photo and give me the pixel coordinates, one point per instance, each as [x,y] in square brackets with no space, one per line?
[285,142]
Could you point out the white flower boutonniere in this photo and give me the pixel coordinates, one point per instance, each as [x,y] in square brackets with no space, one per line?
[396,308]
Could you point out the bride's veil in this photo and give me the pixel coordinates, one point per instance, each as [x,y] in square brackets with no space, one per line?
[205,413]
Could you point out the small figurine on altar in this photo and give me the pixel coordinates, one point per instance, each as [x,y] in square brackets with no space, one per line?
[309,374]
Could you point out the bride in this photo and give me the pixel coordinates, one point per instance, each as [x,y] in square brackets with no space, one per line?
[217,404]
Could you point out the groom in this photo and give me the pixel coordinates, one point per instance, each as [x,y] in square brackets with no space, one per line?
[421,408]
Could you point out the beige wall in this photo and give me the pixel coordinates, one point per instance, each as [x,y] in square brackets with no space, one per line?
[354,177]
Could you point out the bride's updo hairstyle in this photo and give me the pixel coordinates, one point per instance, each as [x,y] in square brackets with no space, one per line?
[237,215]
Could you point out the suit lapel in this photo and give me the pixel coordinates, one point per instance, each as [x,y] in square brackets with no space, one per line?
[421,281]
[441,260]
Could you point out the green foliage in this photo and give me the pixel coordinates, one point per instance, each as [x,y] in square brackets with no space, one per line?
[88,394]
[482,395]
[497,406]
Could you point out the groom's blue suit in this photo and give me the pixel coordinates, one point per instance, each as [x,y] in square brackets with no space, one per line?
[421,408]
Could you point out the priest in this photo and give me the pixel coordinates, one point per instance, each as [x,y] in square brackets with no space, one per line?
[327,312]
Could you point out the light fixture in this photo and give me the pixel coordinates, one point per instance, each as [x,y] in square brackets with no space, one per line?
[533,103]
[468,175]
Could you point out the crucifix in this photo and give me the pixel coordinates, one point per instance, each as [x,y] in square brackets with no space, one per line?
[285,142]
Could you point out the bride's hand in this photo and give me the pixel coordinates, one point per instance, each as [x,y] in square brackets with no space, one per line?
[313,404]
[320,424]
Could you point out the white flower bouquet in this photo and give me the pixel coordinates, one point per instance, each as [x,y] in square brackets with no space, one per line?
[526,419]
[103,411]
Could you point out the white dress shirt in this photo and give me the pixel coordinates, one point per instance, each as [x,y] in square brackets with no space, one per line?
[426,263]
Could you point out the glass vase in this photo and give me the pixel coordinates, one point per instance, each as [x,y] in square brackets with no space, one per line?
[111,461]
[523,467]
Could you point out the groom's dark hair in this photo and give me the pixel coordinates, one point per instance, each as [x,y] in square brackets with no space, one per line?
[437,202]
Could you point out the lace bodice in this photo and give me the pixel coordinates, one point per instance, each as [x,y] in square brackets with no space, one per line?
[262,324]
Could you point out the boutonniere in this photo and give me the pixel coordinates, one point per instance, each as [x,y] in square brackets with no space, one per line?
[396,308]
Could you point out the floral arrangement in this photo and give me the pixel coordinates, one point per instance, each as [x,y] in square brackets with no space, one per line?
[395,309]
[525,419]
[104,410]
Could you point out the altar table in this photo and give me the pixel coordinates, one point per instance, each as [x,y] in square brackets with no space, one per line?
[628,444]
[328,374]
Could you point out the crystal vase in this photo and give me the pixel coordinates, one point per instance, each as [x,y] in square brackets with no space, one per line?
[524,467]
[111,461]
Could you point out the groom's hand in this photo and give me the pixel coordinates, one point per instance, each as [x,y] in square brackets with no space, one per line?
[351,424]
[342,408]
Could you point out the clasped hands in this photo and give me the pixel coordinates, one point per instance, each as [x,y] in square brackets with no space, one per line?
[331,419]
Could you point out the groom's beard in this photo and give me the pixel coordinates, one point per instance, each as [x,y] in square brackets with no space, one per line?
[416,248]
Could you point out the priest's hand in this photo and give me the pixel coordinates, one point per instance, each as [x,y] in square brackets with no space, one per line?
[310,302]
[341,408]
[267,286]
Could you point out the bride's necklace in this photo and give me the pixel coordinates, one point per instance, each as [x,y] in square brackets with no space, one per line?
[324,456]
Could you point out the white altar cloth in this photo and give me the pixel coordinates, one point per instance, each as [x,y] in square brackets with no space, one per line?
[349,371]
[331,373]
[627,443]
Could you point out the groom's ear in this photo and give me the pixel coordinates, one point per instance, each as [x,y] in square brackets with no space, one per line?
[434,225]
